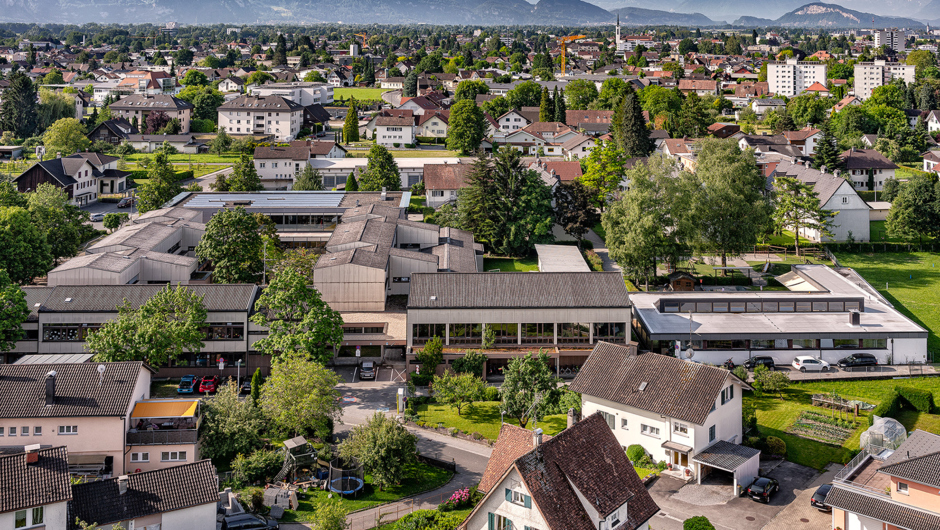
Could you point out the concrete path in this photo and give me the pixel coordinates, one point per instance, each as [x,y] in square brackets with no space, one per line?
[600,247]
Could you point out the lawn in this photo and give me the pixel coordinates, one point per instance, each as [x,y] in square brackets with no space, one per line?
[879,233]
[423,478]
[787,239]
[482,417]
[417,153]
[911,419]
[165,389]
[181,158]
[358,93]
[418,201]
[599,230]
[917,296]
[511,264]
[199,170]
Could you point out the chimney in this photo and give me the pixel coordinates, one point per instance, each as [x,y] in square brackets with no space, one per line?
[573,417]
[855,318]
[32,453]
[537,437]
[822,168]
[384,194]
[122,484]
[50,387]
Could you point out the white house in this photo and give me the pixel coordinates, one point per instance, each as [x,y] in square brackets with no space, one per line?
[540,482]
[443,181]
[276,116]
[277,166]
[805,139]
[512,121]
[433,125]
[933,121]
[686,413]
[931,159]
[394,132]
[868,168]
[760,106]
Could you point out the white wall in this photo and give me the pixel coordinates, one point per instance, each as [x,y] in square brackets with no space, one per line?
[55,517]
[196,518]
[496,503]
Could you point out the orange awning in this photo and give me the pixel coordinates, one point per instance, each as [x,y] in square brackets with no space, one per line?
[165,409]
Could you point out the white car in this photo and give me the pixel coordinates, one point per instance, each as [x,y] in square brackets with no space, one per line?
[97,217]
[805,363]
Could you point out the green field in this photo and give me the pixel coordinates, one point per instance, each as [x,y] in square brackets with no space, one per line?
[418,153]
[879,233]
[358,93]
[511,264]
[482,417]
[913,285]
[198,171]
[201,158]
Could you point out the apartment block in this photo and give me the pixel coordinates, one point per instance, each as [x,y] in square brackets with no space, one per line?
[792,77]
[869,76]
[891,38]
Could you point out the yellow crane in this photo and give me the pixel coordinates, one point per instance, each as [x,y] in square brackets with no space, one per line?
[564,42]
[365,38]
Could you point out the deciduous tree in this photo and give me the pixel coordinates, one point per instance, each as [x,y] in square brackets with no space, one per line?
[230,425]
[63,223]
[66,136]
[574,209]
[381,171]
[300,397]
[243,177]
[113,221]
[915,212]
[457,390]
[527,380]
[466,127]
[233,243]
[603,171]
[13,312]
[24,252]
[384,447]
[161,184]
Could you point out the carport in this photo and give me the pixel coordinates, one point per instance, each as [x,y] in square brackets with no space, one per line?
[742,462]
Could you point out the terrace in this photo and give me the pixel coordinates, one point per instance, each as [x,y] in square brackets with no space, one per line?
[164,422]
[862,472]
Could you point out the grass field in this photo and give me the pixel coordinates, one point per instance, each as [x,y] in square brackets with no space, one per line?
[879,233]
[511,264]
[482,417]
[599,230]
[787,239]
[358,93]
[202,158]
[198,171]
[418,153]
[165,389]
[917,295]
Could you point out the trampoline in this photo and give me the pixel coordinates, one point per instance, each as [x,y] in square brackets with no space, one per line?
[346,478]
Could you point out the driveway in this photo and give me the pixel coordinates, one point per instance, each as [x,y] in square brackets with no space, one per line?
[738,513]
[106,208]
[800,514]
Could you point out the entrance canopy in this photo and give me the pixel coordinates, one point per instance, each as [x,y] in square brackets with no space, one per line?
[742,462]
[673,446]
[165,409]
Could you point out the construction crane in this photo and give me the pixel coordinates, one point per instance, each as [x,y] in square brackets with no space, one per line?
[564,42]
[365,39]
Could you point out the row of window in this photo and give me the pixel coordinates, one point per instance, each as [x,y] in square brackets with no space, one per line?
[530,333]
[80,332]
[37,430]
[757,306]
[165,456]
[780,344]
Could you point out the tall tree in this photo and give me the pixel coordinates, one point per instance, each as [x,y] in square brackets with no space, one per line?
[478,200]
[915,211]
[457,390]
[161,329]
[19,112]
[161,184]
[280,51]
[13,312]
[381,171]
[300,397]
[632,135]
[297,318]
[796,207]
[470,90]
[410,86]
[244,177]
[155,121]
[351,124]
[560,110]
[24,252]
[466,127]
[524,215]
[351,183]
[575,210]
[230,426]
[546,108]
[384,447]
[528,382]
[827,151]
[309,179]
[233,242]
[728,206]
[603,171]
[65,137]
[62,222]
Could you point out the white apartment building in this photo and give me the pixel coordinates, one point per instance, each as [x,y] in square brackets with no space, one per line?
[869,76]
[262,115]
[304,93]
[792,77]
[394,132]
[891,38]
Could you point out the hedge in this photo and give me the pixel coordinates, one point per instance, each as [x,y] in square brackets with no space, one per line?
[883,247]
[421,379]
[888,407]
[921,400]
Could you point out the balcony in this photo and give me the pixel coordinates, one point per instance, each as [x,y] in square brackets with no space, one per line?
[162,437]
[862,472]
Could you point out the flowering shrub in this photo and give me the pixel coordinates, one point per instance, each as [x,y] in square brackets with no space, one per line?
[458,500]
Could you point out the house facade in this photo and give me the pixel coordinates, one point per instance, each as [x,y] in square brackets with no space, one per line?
[140,106]
[278,166]
[35,488]
[675,409]
[394,132]
[83,176]
[868,168]
[792,77]
[276,116]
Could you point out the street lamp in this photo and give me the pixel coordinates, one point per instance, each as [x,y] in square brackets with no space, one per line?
[238,380]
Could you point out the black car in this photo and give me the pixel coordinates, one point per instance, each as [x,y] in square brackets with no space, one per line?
[248,521]
[246,387]
[762,488]
[819,498]
[760,360]
[367,371]
[858,359]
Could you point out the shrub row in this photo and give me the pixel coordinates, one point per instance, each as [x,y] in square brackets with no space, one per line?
[882,247]
[888,407]
[921,400]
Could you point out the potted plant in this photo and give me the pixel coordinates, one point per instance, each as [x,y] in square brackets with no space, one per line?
[669,466]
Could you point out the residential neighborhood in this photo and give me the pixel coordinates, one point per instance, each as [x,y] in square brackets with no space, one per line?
[625,273]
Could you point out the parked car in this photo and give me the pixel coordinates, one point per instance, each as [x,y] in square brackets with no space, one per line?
[248,521]
[246,386]
[819,498]
[210,383]
[367,370]
[858,359]
[805,363]
[96,217]
[126,202]
[760,360]
[186,385]
[761,489]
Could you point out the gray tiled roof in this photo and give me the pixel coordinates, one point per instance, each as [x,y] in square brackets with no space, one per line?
[677,388]
[518,290]
[918,444]
[106,298]
[79,391]
[150,492]
[161,102]
[866,159]
[726,455]
[36,295]
[824,184]
[24,485]
[261,104]
[882,509]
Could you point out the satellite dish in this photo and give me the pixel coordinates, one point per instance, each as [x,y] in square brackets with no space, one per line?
[101,369]
[689,352]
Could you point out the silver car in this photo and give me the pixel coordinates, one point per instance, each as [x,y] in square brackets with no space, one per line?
[96,217]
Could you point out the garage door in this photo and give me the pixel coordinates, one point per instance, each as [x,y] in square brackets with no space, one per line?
[860,522]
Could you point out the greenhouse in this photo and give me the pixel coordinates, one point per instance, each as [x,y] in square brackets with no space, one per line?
[887,433]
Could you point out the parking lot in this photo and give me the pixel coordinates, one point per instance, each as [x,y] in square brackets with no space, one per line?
[106,208]
[384,374]
[738,513]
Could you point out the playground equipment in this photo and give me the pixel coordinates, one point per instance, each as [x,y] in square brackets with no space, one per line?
[297,453]
[348,479]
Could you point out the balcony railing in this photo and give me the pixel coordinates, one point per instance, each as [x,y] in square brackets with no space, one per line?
[163,437]
[846,474]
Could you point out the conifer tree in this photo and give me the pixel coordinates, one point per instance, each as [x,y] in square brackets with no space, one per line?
[630,129]
[560,110]
[827,153]
[546,109]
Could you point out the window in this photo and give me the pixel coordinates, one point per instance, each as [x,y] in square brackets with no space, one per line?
[680,429]
[37,431]
[225,331]
[28,518]
[24,431]
[68,429]
[67,332]
[711,434]
[804,343]
[727,394]
[12,431]
[1,431]
[173,456]
[140,457]
[261,165]
[609,418]
[902,488]
[649,431]
[499,522]
[623,424]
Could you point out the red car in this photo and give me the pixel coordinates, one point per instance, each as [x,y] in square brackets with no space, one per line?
[209,383]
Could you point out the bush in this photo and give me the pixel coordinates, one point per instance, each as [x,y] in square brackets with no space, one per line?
[428,520]
[645,462]
[396,145]
[636,453]
[471,363]
[258,466]
[921,400]
[698,522]
[661,465]
[202,126]
[776,446]
[594,261]
[421,379]
[888,407]
[491,394]
[325,453]
[740,372]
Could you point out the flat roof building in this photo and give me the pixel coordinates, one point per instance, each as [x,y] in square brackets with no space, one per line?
[560,258]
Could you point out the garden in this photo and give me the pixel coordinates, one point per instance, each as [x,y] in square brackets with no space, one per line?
[817,426]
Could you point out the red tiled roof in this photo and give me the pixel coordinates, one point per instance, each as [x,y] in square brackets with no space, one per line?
[513,442]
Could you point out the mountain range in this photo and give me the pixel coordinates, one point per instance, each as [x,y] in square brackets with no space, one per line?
[691,13]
